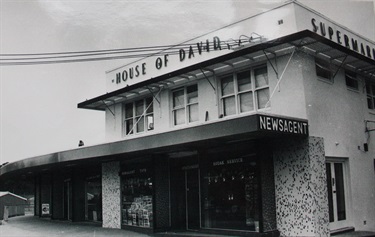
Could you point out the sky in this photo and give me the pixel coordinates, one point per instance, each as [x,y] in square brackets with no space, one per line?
[38,103]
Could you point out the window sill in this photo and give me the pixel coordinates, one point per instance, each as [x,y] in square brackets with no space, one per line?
[352,89]
[328,81]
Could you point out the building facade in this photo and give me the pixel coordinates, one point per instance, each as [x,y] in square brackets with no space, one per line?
[257,134]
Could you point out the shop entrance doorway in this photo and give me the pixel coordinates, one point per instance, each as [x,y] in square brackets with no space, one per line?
[185,192]
[337,201]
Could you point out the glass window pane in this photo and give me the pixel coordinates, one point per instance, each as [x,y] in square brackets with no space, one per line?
[351,80]
[193,113]
[330,197]
[179,116]
[244,81]
[192,94]
[227,86]
[340,192]
[370,104]
[322,68]
[129,126]
[94,199]
[368,88]
[178,98]
[136,200]
[150,122]
[263,97]
[139,108]
[141,124]
[149,105]
[129,110]
[372,89]
[261,77]
[231,197]
[246,102]
[229,105]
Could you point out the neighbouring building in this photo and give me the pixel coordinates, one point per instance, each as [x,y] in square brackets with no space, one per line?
[262,128]
[11,205]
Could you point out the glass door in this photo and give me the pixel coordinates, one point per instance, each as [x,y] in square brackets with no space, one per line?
[337,200]
[93,199]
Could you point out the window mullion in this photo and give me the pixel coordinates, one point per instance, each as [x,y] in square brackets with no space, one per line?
[255,98]
[186,105]
[236,96]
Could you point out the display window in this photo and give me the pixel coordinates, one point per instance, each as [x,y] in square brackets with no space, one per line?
[94,198]
[137,201]
[230,196]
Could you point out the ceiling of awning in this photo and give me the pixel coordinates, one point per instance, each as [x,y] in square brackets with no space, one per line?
[305,41]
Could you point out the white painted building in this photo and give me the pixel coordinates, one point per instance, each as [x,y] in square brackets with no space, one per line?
[262,128]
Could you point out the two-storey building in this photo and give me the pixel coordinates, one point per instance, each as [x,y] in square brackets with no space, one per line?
[260,128]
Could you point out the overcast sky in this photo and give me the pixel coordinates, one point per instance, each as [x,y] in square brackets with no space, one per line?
[39,112]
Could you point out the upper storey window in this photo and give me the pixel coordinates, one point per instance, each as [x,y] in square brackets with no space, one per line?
[245,91]
[185,105]
[351,80]
[323,69]
[139,116]
[370,90]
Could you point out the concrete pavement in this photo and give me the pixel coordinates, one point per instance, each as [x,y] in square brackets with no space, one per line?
[32,226]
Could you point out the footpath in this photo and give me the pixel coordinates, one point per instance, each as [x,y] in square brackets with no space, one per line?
[32,226]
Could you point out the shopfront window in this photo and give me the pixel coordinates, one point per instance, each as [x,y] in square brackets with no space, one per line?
[94,198]
[230,194]
[136,188]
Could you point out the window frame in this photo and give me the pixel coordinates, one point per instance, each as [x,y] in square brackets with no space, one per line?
[370,94]
[351,76]
[185,106]
[254,90]
[134,117]
[325,67]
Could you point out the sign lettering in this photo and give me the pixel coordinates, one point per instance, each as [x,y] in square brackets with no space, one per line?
[342,39]
[282,125]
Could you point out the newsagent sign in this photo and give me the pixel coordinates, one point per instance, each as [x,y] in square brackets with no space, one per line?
[283,125]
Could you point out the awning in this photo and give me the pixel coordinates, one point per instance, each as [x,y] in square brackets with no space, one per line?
[306,41]
[201,136]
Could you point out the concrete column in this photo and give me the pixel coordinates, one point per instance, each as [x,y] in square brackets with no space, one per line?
[111,195]
[301,188]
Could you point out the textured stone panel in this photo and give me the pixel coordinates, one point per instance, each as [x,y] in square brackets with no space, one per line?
[268,194]
[111,195]
[301,190]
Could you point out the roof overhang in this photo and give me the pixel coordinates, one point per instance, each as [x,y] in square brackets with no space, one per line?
[306,41]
